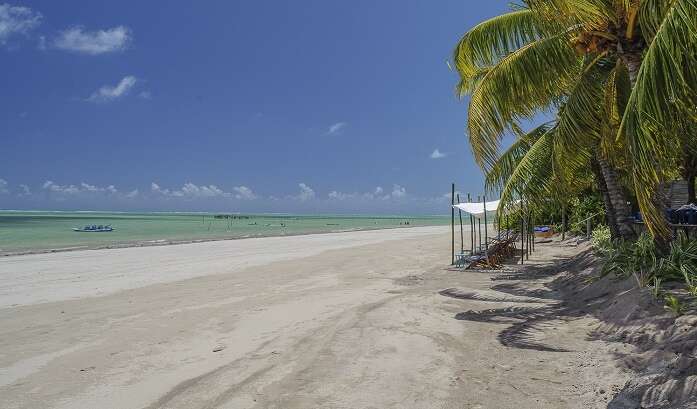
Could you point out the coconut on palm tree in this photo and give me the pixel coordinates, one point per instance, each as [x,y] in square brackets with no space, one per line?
[614,73]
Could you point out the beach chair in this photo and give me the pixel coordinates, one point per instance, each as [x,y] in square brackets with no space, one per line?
[499,250]
[461,259]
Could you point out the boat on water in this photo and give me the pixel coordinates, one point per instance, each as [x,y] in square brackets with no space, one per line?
[94,228]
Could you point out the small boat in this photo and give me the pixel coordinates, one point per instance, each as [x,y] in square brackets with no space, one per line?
[94,228]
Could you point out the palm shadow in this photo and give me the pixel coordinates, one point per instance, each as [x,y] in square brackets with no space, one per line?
[525,324]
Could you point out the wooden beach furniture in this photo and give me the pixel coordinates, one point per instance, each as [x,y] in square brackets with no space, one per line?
[497,250]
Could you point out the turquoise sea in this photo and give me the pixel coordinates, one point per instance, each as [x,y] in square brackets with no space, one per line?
[22,232]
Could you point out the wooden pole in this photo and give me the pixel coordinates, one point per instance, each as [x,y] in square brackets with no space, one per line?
[498,224]
[508,226]
[469,200]
[452,226]
[486,226]
[479,227]
[527,231]
[533,233]
[522,235]
[462,234]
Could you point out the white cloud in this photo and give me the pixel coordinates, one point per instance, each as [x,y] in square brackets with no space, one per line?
[145,95]
[24,190]
[438,154]
[244,193]
[16,20]
[335,195]
[191,190]
[96,189]
[378,194]
[108,93]
[78,40]
[398,191]
[306,192]
[74,190]
[132,194]
[62,189]
[3,186]
[336,128]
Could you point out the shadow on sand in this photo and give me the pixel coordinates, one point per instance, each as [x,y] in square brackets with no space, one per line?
[664,357]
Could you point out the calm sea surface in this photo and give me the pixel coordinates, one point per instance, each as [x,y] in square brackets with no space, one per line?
[39,231]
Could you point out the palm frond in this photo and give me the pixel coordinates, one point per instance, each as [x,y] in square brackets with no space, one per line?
[668,75]
[616,90]
[533,176]
[579,116]
[487,42]
[590,13]
[505,165]
[529,79]
[651,15]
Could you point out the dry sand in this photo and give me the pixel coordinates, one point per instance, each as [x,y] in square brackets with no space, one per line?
[352,320]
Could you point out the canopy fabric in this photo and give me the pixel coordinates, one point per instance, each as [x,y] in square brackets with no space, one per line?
[478,207]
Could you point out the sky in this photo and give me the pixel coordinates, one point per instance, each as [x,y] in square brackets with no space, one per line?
[309,106]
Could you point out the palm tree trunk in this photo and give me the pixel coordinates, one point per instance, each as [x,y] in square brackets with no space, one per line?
[617,199]
[631,54]
[609,209]
[633,63]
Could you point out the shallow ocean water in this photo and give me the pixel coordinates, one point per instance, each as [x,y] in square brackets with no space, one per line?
[41,231]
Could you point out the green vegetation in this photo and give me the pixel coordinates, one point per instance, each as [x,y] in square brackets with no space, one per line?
[601,239]
[618,78]
[650,266]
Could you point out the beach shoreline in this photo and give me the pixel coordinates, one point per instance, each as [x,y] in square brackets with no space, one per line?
[24,233]
[175,242]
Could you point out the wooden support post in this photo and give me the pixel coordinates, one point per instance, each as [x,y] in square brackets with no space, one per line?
[486,226]
[452,226]
[527,222]
[462,234]
[479,227]
[469,200]
[533,233]
[498,224]
[522,237]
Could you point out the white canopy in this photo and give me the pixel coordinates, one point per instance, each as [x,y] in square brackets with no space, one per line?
[477,208]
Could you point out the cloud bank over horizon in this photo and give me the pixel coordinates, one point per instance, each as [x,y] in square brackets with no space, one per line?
[209,197]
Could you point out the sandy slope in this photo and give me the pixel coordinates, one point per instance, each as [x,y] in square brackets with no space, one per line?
[354,320]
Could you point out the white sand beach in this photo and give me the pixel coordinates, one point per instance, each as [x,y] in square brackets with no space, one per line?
[350,320]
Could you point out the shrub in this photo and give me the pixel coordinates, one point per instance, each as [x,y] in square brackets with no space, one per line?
[601,240]
[582,208]
[643,260]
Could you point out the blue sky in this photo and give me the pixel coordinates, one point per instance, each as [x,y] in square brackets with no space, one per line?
[304,106]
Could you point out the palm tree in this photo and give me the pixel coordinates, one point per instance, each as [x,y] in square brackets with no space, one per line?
[613,72]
